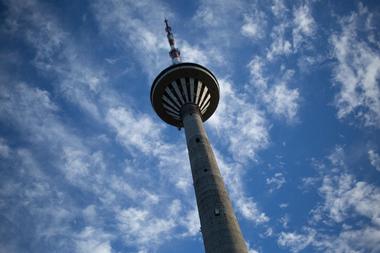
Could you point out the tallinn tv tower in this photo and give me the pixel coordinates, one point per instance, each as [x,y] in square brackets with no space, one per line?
[185,95]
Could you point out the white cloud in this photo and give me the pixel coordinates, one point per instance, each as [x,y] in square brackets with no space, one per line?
[93,240]
[139,226]
[250,249]
[278,98]
[233,175]
[212,14]
[191,222]
[90,213]
[308,183]
[374,158]
[356,73]
[249,210]
[355,240]
[250,29]
[276,182]
[218,22]
[80,162]
[337,157]
[240,124]
[145,227]
[75,165]
[280,45]
[283,101]
[135,130]
[268,232]
[256,68]
[208,13]
[254,25]
[278,8]
[343,195]
[139,134]
[194,54]
[57,54]
[34,198]
[348,240]
[349,206]
[83,164]
[135,25]
[33,113]
[39,28]
[288,34]
[296,242]
[284,221]
[244,132]
[304,24]
[291,31]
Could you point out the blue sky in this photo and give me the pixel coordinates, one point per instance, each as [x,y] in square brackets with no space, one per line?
[87,166]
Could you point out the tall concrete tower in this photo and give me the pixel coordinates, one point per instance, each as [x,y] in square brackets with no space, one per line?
[185,95]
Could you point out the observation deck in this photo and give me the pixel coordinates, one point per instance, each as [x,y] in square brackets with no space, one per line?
[180,84]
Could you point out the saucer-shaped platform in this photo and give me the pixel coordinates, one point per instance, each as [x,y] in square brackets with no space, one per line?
[181,84]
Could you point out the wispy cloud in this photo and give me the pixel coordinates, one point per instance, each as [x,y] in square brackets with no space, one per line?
[374,158]
[281,46]
[139,226]
[56,54]
[296,242]
[357,70]
[84,165]
[344,199]
[254,25]
[304,25]
[292,31]
[343,194]
[135,25]
[276,182]
[94,240]
[279,99]
[278,8]
[233,175]
[241,124]
[128,124]
[219,22]
[298,22]
[87,167]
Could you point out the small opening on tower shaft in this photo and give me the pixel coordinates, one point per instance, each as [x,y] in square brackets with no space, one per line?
[197,140]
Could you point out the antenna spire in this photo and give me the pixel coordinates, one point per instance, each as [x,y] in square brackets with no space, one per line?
[174,52]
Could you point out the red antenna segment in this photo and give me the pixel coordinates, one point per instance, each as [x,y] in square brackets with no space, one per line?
[174,52]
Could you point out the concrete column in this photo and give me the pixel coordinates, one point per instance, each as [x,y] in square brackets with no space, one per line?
[220,229]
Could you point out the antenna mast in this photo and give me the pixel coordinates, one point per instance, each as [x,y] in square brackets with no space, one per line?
[174,52]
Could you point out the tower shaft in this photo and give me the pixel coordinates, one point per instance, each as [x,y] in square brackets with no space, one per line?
[220,229]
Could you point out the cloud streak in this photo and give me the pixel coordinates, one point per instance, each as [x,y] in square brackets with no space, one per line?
[357,71]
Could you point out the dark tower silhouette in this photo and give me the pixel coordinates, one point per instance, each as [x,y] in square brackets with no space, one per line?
[185,95]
